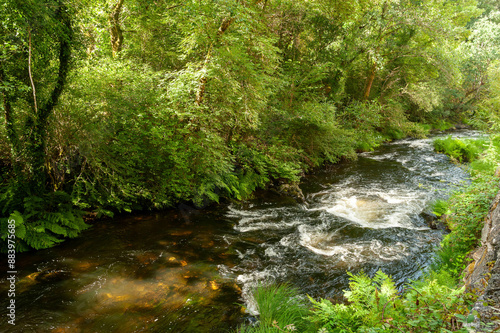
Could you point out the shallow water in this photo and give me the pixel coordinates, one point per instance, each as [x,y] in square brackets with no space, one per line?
[192,270]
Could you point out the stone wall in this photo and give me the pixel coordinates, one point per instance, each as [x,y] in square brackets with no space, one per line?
[482,276]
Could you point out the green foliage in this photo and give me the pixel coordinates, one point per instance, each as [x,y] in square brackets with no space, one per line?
[372,123]
[441,125]
[44,220]
[487,115]
[440,207]
[281,310]
[477,58]
[468,209]
[128,148]
[312,131]
[460,150]
[489,161]
[431,304]
[366,297]
[375,305]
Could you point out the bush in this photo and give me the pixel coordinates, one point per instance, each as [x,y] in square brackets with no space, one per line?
[372,123]
[375,305]
[363,118]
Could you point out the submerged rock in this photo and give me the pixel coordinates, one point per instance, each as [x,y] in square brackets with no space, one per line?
[482,276]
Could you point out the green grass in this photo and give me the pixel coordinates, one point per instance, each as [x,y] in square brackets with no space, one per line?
[460,150]
[281,310]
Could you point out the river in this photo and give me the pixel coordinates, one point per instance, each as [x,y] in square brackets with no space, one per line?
[192,270]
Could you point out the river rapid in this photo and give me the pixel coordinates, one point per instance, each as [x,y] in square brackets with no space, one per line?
[192,270]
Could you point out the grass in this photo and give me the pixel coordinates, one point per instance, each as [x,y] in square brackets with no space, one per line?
[460,150]
[281,310]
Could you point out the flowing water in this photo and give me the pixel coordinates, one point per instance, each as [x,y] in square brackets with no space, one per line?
[192,270]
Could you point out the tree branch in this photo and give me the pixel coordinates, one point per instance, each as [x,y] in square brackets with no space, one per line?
[29,71]
[226,22]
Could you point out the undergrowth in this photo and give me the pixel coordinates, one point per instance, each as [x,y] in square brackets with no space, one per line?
[431,304]
[41,221]
[466,208]
[460,150]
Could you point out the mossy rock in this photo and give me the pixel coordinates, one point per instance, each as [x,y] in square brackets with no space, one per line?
[292,190]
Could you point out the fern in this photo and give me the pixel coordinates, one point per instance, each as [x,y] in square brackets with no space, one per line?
[335,318]
[45,222]
[375,305]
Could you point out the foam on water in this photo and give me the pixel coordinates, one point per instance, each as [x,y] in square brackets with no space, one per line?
[251,280]
[367,217]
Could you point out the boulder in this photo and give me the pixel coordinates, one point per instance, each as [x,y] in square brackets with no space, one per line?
[292,190]
[435,222]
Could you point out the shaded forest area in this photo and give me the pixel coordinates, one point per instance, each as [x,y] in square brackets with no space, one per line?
[127,105]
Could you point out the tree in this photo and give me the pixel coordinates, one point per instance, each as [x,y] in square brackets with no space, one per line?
[478,52]
[37,39]
[36,54]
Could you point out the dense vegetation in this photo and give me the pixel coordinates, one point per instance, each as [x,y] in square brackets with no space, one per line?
[125,105]
[372,305]
[122,105]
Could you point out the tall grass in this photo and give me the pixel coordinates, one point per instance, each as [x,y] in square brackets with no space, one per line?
[281,310]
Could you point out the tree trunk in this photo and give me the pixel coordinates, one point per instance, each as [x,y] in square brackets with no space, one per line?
[9,124]
[369,81]
[115,29]
[226,22]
